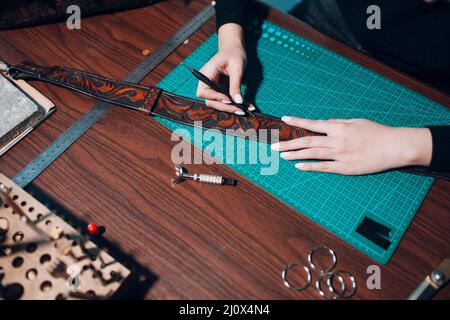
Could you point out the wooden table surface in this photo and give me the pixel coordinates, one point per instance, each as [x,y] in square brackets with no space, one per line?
[198,241]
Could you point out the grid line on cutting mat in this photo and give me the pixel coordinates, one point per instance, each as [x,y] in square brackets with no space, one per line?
[302,79]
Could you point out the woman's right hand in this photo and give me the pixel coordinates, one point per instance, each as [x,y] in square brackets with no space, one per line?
[230,60]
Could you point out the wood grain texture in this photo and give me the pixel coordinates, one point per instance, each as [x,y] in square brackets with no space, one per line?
[201,241]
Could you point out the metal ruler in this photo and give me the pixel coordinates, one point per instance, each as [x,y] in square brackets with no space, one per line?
[74,132]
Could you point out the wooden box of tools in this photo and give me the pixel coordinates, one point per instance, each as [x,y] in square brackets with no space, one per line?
[42,257]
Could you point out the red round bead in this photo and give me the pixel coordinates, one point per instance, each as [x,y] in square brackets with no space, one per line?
[93,229]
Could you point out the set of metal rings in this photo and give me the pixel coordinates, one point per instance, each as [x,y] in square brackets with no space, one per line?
[324,276]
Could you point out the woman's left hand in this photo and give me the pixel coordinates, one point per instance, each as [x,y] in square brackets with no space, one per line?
[356,146]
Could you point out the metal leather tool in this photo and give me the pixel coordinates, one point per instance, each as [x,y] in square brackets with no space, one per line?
[181,174]
[435,281]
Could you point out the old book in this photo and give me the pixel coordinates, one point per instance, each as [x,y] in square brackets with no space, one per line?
[22,108]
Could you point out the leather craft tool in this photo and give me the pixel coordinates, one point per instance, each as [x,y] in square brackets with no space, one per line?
[201,77]
[181,174]
[8,200]
[44,257]
[433,282]
[72,134]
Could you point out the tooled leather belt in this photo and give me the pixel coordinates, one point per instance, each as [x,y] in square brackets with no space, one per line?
[157,102]
[154,101]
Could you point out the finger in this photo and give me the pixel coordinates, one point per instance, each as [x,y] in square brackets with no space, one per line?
[224,107]
[321,166]
[340,120]
[251,107]
[235,73]
[211,71]
[312,125]
[304,142]
[205,92]
[306,154]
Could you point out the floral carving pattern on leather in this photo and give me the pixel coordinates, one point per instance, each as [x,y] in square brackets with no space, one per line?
[116,92]
[188,111]
[154,101]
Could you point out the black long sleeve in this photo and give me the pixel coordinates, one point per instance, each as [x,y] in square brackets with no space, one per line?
[231,11]
[414,36]
[440,160]
[234,11]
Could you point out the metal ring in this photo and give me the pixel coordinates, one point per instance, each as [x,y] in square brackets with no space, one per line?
[330,252]
[296,265]
[332,295]
[345,294]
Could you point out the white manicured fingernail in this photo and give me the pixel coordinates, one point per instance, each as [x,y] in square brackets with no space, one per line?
[240,113]
[251,108]
[284,155]
[238,98]
[300,166]
[286,118]
[275,146]
[226,101]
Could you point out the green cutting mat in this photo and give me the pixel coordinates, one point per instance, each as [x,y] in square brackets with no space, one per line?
[303,79]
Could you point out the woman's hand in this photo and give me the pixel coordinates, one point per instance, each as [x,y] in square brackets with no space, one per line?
[230,60]
[356,146]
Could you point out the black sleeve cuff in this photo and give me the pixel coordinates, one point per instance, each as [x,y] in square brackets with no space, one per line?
[231,11]
[440,160]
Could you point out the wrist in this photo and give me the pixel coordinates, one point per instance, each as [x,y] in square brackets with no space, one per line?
[418,146]
[231,35]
